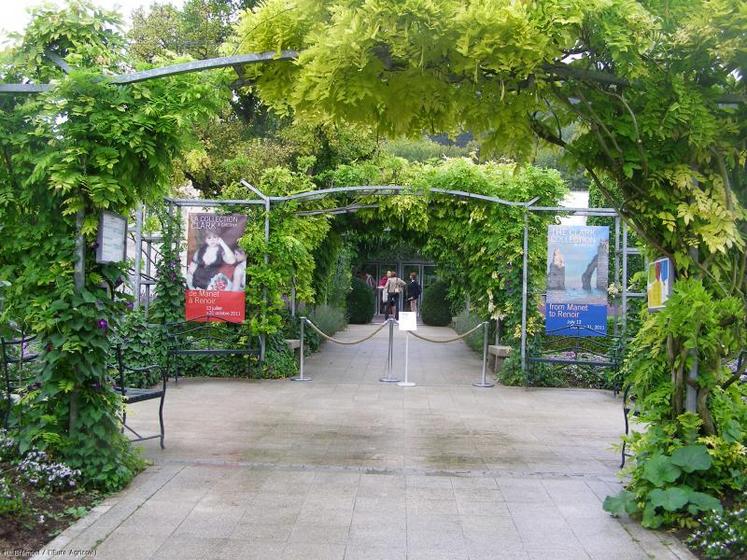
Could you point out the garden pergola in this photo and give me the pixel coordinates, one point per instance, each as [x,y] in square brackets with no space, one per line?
[558,72]
[622,248]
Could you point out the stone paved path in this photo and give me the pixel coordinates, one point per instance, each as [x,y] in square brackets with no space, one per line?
[347,468]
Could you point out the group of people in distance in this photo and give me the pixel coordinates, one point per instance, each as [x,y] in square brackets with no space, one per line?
[391,288]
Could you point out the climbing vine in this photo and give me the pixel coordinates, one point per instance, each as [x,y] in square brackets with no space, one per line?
[84,146]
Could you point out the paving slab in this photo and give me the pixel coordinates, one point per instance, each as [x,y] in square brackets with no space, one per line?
[347,468]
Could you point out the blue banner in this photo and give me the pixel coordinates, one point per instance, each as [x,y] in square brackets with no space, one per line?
[577,278]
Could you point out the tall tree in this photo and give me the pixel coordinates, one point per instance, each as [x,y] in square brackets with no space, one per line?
[198,29]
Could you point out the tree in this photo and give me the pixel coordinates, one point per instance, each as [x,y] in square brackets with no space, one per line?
[655,88]
[245,138]
[198,29]
[156,33]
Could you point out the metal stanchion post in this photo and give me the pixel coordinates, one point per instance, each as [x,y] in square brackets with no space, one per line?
[406,383]
[389,357]
[300,358]
[483,381]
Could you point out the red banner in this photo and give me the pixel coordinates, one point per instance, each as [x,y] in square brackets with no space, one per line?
[206,305]
[216,268]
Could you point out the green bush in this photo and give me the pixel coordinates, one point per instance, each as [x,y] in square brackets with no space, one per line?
[328,319]
[511,373]
[435,308]
[280,361]
[360,303]
[466,321]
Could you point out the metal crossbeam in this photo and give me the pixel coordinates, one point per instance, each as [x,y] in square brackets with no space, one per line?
[171,70]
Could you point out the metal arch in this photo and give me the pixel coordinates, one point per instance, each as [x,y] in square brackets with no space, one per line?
[378,190]
[171,70]
[24,88]
[388,190]
[339,210]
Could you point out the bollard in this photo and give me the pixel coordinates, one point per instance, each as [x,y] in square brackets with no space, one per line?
[300,357]
[389,357]
[483,381]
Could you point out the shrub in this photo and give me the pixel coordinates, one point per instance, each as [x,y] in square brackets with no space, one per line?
[328,319]
[280,361]
[511,373]
[360,303]
[11,499]
[435,308]
[466,321]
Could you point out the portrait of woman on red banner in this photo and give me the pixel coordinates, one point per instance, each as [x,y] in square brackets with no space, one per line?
[216,266]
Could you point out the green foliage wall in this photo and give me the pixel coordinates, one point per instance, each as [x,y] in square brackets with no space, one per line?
[84,146]
[293,240]
[477,246]
[361,303]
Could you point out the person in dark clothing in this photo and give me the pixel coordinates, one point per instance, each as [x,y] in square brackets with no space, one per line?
[413,292]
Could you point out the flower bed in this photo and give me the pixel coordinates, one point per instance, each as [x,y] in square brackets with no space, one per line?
[39,498]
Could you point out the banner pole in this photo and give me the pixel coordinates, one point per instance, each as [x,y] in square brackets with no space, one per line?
[137,280]
[524,295]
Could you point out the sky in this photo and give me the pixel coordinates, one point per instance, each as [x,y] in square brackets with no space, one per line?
[15,12]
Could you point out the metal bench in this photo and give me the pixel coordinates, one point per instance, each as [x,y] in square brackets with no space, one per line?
[15,354]
[579,350]
[132,395]
[204,338]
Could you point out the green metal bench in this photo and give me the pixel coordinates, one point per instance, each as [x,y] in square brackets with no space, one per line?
[132,395]
[15,354]
[203,338]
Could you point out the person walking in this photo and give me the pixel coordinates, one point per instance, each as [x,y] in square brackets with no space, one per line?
[394,287]
[413,292]
[382,298]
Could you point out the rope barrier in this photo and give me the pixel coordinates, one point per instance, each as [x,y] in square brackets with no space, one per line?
[346,342]
[445,340]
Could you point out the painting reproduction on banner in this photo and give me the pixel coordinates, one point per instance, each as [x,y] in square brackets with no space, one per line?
[659,285]
[216,268]
[577,280]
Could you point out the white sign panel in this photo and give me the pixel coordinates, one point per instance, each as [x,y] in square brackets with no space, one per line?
[112,238]
[408,321]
